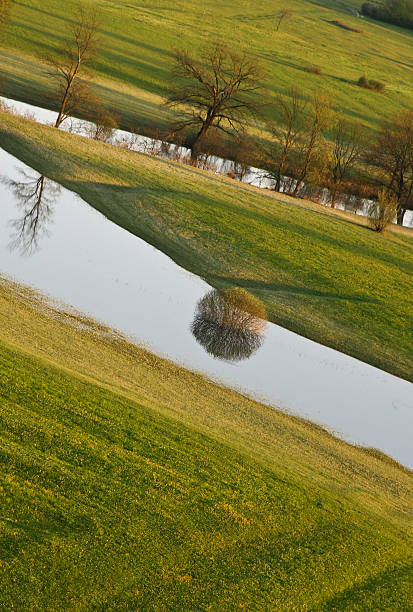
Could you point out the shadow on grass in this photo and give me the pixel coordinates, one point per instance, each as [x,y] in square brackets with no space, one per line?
[384,584]
[277,287]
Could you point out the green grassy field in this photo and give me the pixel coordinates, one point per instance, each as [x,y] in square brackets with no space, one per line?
[320,273]
[138,39]
[128,483]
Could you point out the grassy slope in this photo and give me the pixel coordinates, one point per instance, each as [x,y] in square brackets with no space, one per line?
[128,483]
[320,273]
[135,67]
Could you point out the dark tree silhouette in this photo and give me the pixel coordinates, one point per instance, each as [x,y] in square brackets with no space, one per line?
[35,196]
[221,89]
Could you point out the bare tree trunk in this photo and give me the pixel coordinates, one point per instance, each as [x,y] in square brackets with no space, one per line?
[60,116]
[198,139]
[78,50]
[400,215]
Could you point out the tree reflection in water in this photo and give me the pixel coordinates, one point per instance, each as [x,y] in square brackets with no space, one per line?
[35,196]
[229,323]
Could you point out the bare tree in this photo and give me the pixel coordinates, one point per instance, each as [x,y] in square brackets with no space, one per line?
[392,156]
[318,123]
[221,90]
[347,144]
[286,134]
[283,15]
[74,94]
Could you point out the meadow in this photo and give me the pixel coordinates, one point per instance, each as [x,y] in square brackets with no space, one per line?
[134,69]
[321,273]
[128,483]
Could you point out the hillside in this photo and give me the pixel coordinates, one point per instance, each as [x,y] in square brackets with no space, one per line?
[134,68]
[128,483]
[320,273]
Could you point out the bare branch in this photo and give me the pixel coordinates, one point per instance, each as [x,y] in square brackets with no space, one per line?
[220,89]
[75,59]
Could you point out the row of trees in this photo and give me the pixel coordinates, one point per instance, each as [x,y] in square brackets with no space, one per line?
[310,146]
[314,145]
[398,12]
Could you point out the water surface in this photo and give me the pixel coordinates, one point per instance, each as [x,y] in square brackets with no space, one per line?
[101,269]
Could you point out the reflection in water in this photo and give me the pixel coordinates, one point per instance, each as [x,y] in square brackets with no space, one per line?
[35,196]
[229,324]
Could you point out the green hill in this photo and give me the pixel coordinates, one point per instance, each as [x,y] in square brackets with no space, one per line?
[128,483]
[320,273]
[134,69]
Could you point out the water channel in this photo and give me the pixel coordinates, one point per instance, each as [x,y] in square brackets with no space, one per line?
[60,245]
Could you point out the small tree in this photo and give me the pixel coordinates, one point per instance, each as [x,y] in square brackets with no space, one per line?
[345,152]
[383,211]
[319,122]
[392,156]
[221,90]
[79,49]
[283,15]
[287,134]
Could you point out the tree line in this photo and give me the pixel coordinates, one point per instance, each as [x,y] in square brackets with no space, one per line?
[310,147]
[397,12]
[218,95]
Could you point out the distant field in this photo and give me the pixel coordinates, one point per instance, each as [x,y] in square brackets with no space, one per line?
[134,70]
[128,483]
[321,273]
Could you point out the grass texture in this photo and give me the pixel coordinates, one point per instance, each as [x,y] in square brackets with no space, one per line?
[130,484]
[323,274]
[138,38]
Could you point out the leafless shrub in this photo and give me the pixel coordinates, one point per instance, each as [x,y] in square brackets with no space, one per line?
[104,126]
[383,211]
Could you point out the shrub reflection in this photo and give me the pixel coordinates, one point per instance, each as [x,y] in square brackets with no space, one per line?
[229,324]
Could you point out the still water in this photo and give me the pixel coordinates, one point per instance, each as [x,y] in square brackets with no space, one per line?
[60,245]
